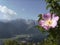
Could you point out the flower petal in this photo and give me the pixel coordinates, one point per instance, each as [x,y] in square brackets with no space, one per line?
[46,27]
[54,24]
[56,18]
[46,16]
[41,22]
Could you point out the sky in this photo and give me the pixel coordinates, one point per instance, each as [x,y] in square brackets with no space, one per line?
[25,9]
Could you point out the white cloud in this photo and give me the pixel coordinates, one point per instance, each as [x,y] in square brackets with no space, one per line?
[8,13]
[6,10]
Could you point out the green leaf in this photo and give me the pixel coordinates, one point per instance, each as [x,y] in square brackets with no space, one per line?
[40,17]
[49,1]
[48,6]
[58,0]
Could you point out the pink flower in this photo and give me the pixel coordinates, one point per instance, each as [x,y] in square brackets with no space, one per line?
[48,21]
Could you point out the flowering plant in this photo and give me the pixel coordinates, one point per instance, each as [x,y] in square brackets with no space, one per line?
[49,22]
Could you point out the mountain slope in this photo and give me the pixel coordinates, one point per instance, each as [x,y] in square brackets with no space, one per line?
[19,27]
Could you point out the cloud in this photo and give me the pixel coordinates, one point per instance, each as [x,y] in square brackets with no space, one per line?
[7,13]
[6,10]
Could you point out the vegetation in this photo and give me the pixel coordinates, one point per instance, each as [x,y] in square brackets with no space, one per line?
[11,42]
[54,33]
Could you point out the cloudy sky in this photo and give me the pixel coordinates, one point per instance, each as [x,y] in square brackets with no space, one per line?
[26,9]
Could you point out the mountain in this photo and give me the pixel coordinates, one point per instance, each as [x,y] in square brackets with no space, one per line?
[19,27]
